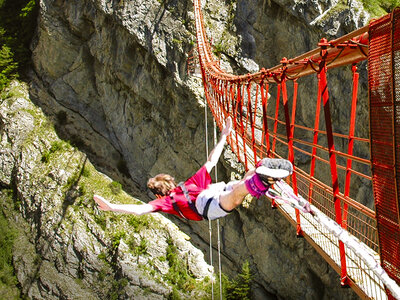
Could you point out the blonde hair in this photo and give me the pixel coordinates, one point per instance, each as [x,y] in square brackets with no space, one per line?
[161,184]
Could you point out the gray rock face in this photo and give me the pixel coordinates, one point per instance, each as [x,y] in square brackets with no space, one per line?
[66,248]
[113,76]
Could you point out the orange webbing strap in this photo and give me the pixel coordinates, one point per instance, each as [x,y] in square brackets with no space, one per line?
[242,132]
[264,100]
[351,144]
[235,121]
[332,160]
[315,139]
[290,132]
[278,96]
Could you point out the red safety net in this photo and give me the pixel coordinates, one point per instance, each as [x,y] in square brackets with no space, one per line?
[384,91]
[331,164]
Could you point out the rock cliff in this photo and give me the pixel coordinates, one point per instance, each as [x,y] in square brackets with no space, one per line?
[67,249]
[112,75]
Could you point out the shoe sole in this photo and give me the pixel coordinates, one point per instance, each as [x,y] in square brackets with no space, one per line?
[265,172]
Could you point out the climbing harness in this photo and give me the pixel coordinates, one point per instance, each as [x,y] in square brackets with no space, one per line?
[192,205]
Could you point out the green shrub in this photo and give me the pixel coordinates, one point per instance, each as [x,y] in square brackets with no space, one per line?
[115,187]
[8,66]
[101,221]
[102,274]
[117,288]
[138,222]
[55,146]
[17,26]
[380,7]
[178,274]
[102,256]
[239,288]
[116,239]
[141,249]
[8,280]
[174,294]
[86,172]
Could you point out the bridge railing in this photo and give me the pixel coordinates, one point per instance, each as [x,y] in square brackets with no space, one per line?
[267,123]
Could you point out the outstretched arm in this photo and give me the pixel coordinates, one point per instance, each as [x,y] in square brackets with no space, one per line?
[217,151]
[136,209]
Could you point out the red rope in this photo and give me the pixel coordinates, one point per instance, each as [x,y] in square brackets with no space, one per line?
[262,131]
[333,164]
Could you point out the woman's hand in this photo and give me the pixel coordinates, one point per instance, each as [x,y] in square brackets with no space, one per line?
[228,126]
[102,203]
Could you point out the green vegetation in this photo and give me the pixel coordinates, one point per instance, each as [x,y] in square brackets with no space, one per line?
[236,288]
[176,41]
[141,249]
[115,187]
[8,280]
[116,239]
[178,275]
[218,48]
[101,221]
[8,67]
[17,25]
[239,288]
[138,222]
[86,171]
[117,288]
[380,7]
[55,146]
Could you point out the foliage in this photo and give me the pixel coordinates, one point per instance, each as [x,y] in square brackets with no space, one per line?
[117,288]
[8,66]
[115,187]
[239,288]
[141,249]
[218,48]
[138,222]
[380,7]
[236,288]
[17,25]
[178,274]
[8,281]
[55,146]
[86,171]
[116,239]
[101,221]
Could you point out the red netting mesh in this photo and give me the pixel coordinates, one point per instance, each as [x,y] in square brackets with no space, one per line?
[384,91]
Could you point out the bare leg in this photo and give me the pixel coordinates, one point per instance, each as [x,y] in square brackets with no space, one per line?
[236,196]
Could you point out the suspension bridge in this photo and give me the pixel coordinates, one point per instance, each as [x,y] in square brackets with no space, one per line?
[263,108]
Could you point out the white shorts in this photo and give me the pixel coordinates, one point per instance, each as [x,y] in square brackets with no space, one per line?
[209,200]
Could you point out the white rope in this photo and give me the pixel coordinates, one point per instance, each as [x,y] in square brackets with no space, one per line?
[209,221]
[211,259]
[219,241]
[282,192]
